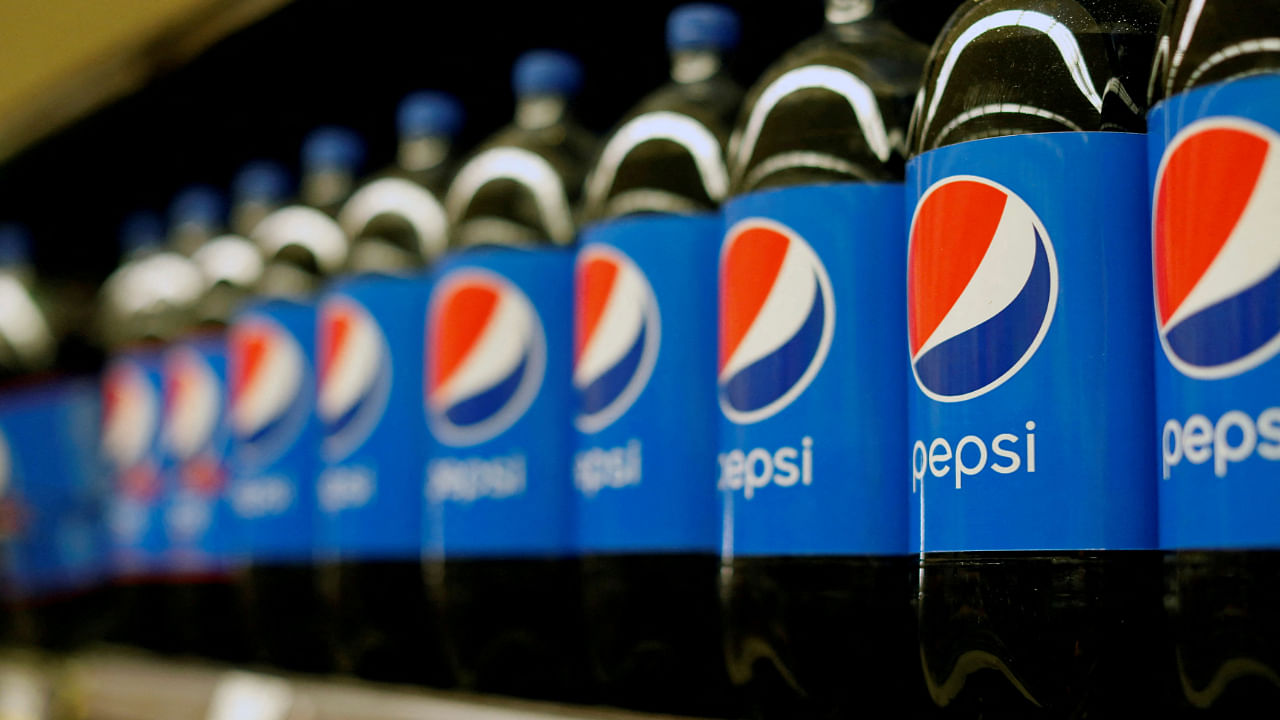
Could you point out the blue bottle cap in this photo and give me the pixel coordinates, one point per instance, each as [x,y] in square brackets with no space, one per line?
[261,181]
[702,26]
[546,72]
[15,245]
[141,230]
[429,113]
[332,148]
[198,204]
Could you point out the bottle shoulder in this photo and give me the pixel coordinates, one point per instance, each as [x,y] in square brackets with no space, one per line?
[832,109]
[1204,43]
[1006,67]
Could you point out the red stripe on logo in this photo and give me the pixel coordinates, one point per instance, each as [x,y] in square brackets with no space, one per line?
[456,327]
[1204,189]
[747,275]
[333,336]
[594,283]
[953,229]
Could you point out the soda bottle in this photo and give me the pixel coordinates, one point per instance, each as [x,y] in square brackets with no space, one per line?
[1032,481]
[147,301]
[644,323]
[195,432]
[1213,123]
[815,575]
[521,185]
[275,432]
[50,499]
[498,533]
[370,345]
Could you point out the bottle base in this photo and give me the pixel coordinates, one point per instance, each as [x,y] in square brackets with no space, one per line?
[286,616]
[384,624]
[1043,634]
[822,637]
[512,626]
[1226,629]
[653,632]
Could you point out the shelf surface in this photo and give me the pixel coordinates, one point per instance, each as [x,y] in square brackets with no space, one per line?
[121,685]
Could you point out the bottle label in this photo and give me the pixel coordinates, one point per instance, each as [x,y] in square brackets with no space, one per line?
[275,436]
[50,497]
[195,441]
[644,329]
[498,404]
[132,392]
[1214,164]
[369,360]
[1029,345]
[809,386]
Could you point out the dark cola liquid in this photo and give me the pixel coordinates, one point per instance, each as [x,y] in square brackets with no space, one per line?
[208,620]
[513,626]
[822,637]
[654,639]
[385,628]
[1226,630]
[1043,635]
[1222,605]
[287,618]
[140,609]
[70,620]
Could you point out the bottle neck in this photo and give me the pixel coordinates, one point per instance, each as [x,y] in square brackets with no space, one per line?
[842,13]
[420,153]
[188,237]
[246,215]
[326,188]
[534,112]
[853,20]
[693,66]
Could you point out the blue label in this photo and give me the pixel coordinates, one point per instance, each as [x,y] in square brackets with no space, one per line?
[369,359]
[1029,345]
[275,436]
[50,496]
[1215,181]
[131,415]
[644,346]
[195,442]
[499,405]
[810,391]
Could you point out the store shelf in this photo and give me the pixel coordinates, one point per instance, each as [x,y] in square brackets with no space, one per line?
[62,60]
[125,686]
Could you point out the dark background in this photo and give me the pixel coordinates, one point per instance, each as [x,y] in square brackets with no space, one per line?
[255,93]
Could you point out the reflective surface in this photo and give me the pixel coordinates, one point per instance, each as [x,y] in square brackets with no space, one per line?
[521,185]
[1006,67]
[1208,41]
[667,154]
[831,110]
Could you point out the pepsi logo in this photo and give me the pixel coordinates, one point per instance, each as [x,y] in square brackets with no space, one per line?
[130,413]
[616,335]
[486,353]
[266,367]
[1216,260]
[355,374]
[192,399]
[982,285]
[777,317]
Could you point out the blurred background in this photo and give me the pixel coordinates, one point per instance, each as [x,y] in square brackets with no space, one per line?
[106,107]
